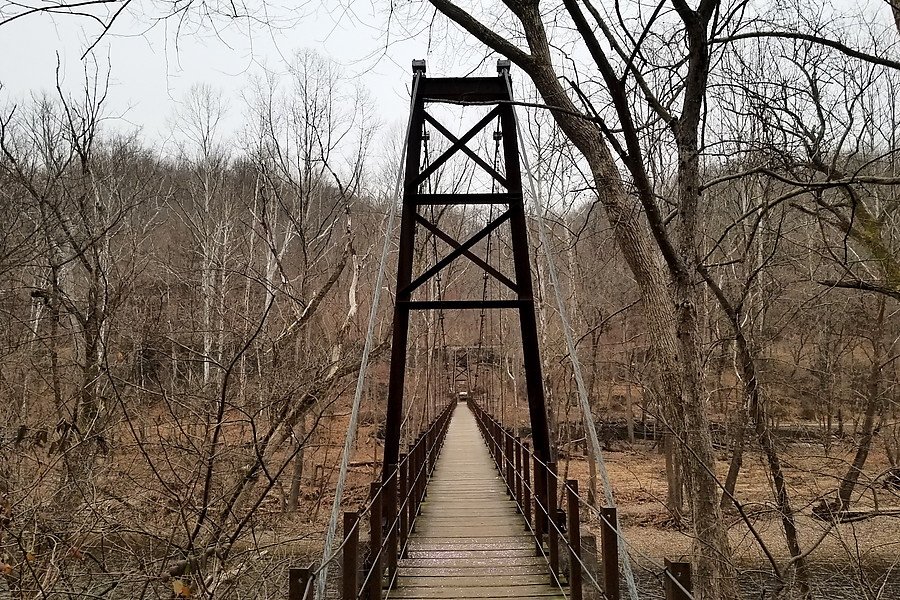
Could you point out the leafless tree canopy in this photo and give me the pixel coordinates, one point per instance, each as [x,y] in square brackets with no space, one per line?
[179,329]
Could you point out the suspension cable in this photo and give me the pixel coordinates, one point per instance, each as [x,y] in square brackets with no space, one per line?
[440,335]
[570,343]
[364,362]
[487,257]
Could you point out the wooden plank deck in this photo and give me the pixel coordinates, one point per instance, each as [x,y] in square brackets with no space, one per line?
[470,542]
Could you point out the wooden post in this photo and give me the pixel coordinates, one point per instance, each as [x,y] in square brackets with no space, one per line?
[403,500]
[526,482]
[510,465]
[413,484]
[429,441]
[609,551]
[420,473]
[575,592]
[376,537]
[552,521]
[519,472]
[389,509]
[539,504]
[498,454]
[298,579]
[680,572]
[351,550]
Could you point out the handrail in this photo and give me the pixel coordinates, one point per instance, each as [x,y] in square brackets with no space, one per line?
[516,462]
[391,510]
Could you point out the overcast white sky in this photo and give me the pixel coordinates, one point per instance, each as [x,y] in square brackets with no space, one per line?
[152,67]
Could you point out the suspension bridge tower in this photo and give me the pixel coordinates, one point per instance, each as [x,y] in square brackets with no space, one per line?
[507,211]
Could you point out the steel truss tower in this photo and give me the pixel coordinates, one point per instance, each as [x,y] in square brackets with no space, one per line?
[491,91]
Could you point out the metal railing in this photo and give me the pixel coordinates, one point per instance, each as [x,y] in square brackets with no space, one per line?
[390,511]
[534,485]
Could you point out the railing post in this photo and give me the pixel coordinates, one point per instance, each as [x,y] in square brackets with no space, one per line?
[526,482]
[510,465]
[680,572]
[420,474]
[390,513]
[494,449]
[575,591]
[432,450]
[498,447]
[298,578]
[539,503]
[413,484]
[376,537]
[552,520]
[403,499]
[351,550]
[609,552]
[519,472]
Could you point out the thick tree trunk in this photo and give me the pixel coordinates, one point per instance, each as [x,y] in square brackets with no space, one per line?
[668,296]
[673,328]
[895,11]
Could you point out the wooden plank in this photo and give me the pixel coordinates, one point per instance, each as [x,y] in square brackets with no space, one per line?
[447,592]
[466,580]
[470,542]
[491,561]
[444,543]
[453,553]
[470,571]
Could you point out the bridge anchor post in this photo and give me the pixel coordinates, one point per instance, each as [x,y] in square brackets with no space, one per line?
[298,582]
[375,540]
[678,580]
[389,509]
[351,552]
[609,550]
[553,524]
[575,578]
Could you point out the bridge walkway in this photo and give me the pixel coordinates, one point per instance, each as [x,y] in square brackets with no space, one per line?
[470,542]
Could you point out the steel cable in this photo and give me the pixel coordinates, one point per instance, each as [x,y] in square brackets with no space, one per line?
[582,501]
[367,349]
[570,343]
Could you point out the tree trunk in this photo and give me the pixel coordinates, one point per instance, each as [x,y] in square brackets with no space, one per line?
[629,410]
[668,295]
[293,503]
[737,453]
[674,481]
[873,413]
[747,370]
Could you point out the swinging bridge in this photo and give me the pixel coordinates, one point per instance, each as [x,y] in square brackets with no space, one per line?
[470,510]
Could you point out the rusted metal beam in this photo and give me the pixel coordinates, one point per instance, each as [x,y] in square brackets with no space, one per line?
[481,90]
[452,199]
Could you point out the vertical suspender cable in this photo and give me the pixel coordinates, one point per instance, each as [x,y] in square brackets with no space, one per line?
[570,343]
[364,363]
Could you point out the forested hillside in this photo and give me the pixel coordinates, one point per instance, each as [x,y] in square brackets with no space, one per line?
[183,323]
